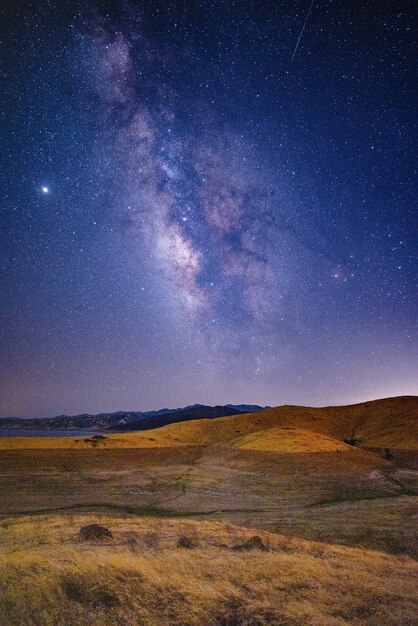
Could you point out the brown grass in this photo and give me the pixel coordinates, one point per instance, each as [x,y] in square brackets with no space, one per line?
[48,576]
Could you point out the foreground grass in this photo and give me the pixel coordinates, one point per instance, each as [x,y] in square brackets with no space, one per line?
[140,576]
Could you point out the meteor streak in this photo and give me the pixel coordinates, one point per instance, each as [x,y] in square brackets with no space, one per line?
[303,28]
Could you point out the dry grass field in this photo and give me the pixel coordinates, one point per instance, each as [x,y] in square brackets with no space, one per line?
[339,521]
[187,573]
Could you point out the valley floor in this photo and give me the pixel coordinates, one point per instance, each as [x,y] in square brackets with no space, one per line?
[352,497]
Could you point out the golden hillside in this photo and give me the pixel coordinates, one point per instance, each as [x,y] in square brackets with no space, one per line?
[288,440]
[180,503]
[386,423]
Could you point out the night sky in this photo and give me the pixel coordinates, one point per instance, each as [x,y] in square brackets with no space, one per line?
[189,215]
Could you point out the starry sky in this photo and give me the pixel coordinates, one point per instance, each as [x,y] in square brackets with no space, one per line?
[189,215]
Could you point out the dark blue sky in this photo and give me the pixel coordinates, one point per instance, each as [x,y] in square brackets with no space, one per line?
[188,215]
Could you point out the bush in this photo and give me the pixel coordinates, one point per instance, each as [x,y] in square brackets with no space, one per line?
[253,543]
[94,531]
[186,542]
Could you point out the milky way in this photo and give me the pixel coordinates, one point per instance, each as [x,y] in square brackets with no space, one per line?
[187,216]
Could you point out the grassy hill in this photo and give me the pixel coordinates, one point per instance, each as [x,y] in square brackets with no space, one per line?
[285,474]
[386,423]
[285,469]
[186,573]
[288,440]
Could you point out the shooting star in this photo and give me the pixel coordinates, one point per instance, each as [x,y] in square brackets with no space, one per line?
[303,28]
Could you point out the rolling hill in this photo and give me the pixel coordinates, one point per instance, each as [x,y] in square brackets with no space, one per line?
[291,515]
[386,423]
[286,469]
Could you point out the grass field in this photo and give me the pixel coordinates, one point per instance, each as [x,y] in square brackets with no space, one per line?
[142,576]
[285,474]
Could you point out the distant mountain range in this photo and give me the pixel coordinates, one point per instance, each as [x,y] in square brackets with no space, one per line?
[127,420]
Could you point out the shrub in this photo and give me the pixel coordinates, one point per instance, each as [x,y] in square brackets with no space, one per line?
[253,543]
[94,531]
[186,542]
